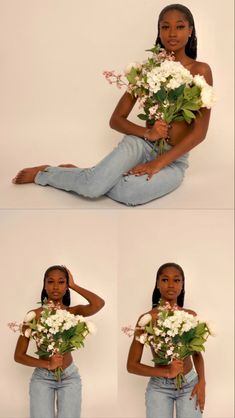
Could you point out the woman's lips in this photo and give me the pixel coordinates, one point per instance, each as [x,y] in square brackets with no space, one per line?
[173,42]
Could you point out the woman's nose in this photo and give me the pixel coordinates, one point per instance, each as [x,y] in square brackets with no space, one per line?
[172,32]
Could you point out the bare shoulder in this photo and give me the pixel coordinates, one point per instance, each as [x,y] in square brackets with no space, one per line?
[202,68]
[37,311]
[190,311]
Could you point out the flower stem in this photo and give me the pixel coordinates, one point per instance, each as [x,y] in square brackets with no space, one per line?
[58,371]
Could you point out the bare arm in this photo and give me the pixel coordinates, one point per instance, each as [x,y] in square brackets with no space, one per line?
[120,123]
[22,357]
[199,388]
[95,302]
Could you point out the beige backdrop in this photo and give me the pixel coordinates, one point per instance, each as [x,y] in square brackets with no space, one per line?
[202,243]
[86,242]
[55,104]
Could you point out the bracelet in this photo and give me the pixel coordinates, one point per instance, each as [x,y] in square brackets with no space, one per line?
[145,138]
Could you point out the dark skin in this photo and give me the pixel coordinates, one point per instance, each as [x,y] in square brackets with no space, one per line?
[174,33]
[170,285]
[56,286]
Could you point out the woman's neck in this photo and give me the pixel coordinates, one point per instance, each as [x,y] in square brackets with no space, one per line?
[181,57]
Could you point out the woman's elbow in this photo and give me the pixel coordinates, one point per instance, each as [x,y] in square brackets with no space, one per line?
[98,306]
[131,367]
[17,357]
[101,304]
[112,122]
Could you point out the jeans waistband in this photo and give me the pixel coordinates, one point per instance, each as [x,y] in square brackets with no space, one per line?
[50,373]
[169,381]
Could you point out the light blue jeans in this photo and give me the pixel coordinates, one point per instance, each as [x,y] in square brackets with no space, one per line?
[44,390]
[106,178]
[161,394]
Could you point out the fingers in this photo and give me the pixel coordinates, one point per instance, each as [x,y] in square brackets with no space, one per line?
[200,401]
[138,170]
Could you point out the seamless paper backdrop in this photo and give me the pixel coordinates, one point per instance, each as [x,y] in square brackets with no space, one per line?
[31,242]
[202,243]
[55,103]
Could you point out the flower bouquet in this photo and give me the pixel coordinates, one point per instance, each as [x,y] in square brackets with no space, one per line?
[175,334]
[56,331]
[165,89]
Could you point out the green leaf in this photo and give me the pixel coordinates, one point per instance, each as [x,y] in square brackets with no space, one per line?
[149,328]
[191,106]
[142,116]
[161,95]
[189,114]
[174,94]
[178,118]
[188,336]
[131,76]
[200,329]
[161,361]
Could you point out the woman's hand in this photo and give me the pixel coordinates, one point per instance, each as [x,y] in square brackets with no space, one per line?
[71,280]
[199,392]
[158,131]
[175,368]
[149,168]
[55,361]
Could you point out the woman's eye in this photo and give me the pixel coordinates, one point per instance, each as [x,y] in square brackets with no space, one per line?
[164,27]
[180,27]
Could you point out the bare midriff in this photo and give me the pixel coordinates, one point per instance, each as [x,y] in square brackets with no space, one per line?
[178,131]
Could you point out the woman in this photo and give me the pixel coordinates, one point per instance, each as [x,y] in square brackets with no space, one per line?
[43,386]
[161,393]
[123,173]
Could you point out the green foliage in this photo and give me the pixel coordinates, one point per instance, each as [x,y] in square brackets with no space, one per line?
[160,96]
[131,76]
[143,116]
[149,328]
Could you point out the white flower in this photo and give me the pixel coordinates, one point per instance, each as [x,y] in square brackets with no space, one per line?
[207,97]
[28,332]
[135,65]
[211,327]
[169,352]
[199,80]
[144,320]
[29,316]
[142,338]
[91,327]
[50,347]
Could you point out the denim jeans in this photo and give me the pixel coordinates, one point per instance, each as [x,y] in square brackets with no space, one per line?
[106,178]
[161,394]
[44,390]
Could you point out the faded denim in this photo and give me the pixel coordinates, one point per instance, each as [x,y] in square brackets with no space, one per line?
[106,178]
[48,395]
[161,395]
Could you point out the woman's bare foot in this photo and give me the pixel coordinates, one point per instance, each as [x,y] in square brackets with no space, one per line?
[27,175]
[68,165]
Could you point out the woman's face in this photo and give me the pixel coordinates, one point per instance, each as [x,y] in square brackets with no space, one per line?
[174,30]
[170,284]
[56,285]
